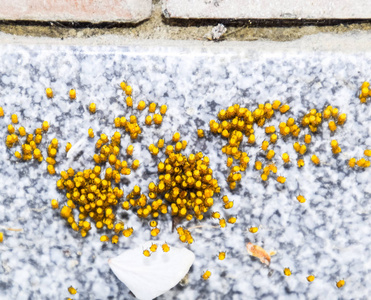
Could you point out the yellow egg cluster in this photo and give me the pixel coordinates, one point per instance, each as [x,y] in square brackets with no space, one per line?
[335,147]
[68,147]
[281,179]
[184,182]
[206,275]
[92,195]
[232,220]
[300,163]
[90,192]
[253,229]
[92,108]
[187,184]
[333,112]
[49,92]
[235,122]
[301,198]
[72,94]
[315,159]
[362,163]
[135,199]
[52,152]
[222,223]
[72,290]
[221,255]
[12,139]
[165,247]
[289,128]
[153,248]
[340,283]
[54,203]
[301,149]
[30,146]
[268,169]
[312,120]
[132,126]
[311,278]
[285,158]
[287,271]
[108,151]
[184,235]
[365,92]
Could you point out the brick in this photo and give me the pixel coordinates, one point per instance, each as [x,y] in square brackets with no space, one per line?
[267,9]
[94,11]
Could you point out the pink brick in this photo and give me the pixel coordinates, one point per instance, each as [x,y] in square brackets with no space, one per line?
[94,11]
[267,9]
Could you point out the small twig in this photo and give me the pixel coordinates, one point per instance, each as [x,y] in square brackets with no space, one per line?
[236,30]
[202,226]
[39,209]
[14,229]
[11,229]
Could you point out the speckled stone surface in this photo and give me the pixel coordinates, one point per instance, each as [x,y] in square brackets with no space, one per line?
[328,236]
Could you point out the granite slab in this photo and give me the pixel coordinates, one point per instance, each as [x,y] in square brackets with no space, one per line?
[329,235]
